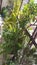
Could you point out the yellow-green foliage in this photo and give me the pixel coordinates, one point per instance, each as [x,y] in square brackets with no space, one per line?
[14,36]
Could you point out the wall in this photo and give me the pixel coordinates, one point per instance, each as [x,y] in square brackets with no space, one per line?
[4,3]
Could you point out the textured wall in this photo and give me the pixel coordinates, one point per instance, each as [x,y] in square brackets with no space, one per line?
[1,56]
[1,59]
[4,3]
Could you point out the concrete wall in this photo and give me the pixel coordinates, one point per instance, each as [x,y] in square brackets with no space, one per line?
[1,59]
[4,3]
[1,56]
